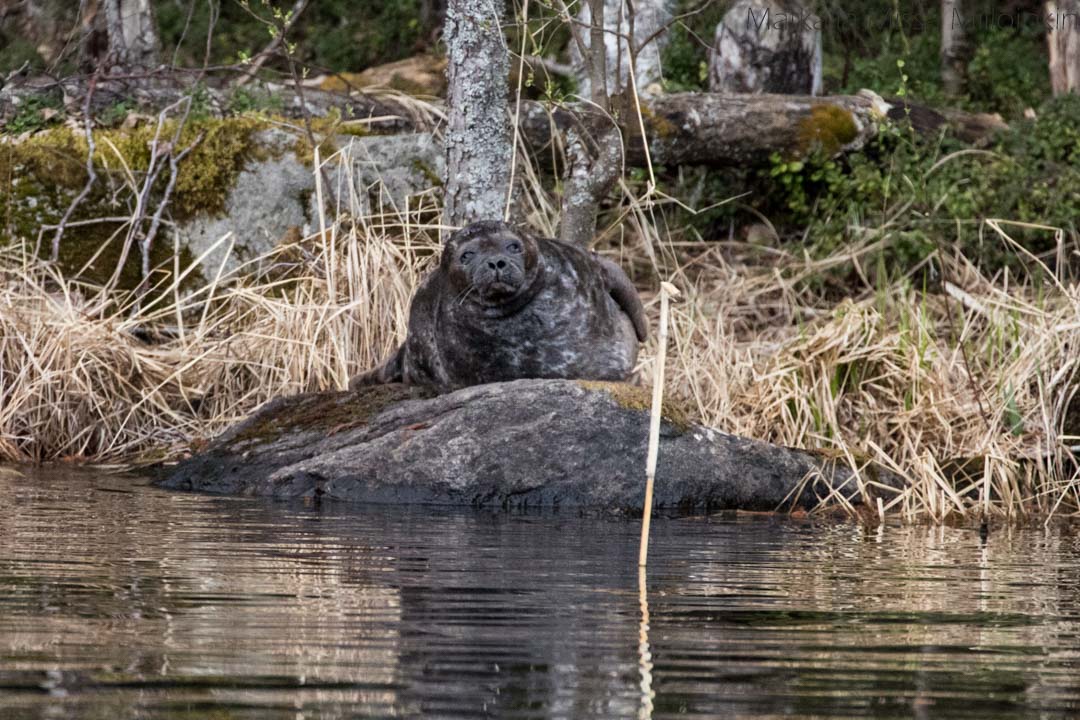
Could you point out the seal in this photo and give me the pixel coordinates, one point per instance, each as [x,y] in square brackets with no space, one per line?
[504,304]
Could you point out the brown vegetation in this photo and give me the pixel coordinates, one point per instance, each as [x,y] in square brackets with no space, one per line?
[966,393]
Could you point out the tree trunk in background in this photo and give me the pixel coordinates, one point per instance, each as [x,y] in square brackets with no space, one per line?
[649,18]
[478,150]
[1064,44]
[132,33]
[593,156]
[767,47]
[952,47]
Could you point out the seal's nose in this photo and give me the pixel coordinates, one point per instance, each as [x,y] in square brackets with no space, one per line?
[497,263]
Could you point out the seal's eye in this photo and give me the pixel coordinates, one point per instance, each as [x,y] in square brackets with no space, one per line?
[513,246]
[467,256]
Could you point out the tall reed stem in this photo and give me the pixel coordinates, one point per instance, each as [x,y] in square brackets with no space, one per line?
[667,291]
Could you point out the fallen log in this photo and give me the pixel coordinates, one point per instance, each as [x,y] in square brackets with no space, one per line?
[681,128]
[734,130]
[151,92]
[528,443]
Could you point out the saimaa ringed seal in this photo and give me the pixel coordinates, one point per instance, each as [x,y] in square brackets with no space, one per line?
[504,305]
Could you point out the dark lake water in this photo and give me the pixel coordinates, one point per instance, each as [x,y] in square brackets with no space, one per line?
[118,600]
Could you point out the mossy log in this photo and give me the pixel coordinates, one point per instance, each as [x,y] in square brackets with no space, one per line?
[744,130]
[527,443]
[681,128]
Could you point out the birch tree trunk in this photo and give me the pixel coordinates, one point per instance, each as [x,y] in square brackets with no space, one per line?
[767,47]
[478,150]
[1063,40]
[132,33]
[593,157]
[952,47]
[643,21]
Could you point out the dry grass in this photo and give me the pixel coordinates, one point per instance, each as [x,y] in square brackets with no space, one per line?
[964,393]
[87,375]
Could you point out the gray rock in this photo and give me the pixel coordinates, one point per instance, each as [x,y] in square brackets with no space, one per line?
[527,443]
[269,196]
[276,192]
[389,169]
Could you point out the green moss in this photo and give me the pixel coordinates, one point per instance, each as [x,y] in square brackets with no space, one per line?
[329,413]
[305,151]
[428,172]
[633,397]
[206,175]
[40,177]
[827,129]
[658,125]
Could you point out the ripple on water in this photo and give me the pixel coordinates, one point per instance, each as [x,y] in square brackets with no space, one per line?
[118,600]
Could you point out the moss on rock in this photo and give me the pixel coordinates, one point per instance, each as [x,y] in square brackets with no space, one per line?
[634,397]
[330,413]
[40,176]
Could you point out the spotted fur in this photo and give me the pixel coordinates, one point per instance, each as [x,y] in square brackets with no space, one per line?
[505,305]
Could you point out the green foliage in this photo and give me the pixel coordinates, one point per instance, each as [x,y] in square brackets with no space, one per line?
[902,63]
[916,195]
[15,51]
[338,35]
[798,182]
[685,58]
[1007,72]
[35,113]
[933,192]
[246,100]
[114,114]
[201,102]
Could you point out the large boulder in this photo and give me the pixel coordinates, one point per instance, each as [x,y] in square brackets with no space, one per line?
[247,185]
[527,443]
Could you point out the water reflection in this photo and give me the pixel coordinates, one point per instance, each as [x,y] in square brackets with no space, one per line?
[118,600]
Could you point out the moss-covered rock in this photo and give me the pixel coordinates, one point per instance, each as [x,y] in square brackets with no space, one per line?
[635,397]
[42,175]
[249,176]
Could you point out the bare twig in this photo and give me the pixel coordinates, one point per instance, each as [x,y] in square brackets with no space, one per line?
[174,169]
[158,152]
[91,174]
[598,56]
[267,52]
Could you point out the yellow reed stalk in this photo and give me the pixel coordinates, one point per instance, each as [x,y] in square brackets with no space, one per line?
[667,291]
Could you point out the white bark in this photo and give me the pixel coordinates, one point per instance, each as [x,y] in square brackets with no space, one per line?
[767,47]
[650,18]
[478,140]
[1063,40]
[590,175]
[952,43]
[132,32]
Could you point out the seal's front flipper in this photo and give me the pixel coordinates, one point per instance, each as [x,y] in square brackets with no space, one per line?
[625,295]
[390,371]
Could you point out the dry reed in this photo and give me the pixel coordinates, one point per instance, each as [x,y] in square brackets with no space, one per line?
[965,393]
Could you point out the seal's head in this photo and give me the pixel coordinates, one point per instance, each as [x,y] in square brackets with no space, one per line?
[490,262]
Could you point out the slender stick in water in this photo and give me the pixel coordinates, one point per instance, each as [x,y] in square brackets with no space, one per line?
[667,290]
